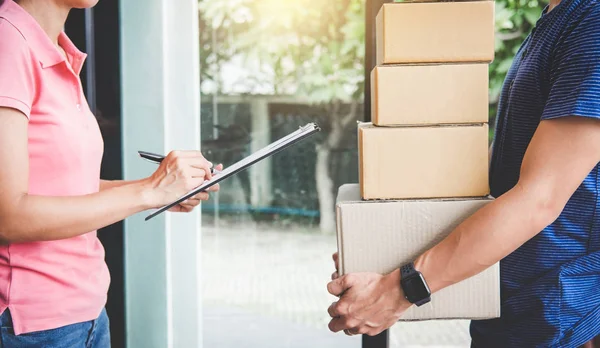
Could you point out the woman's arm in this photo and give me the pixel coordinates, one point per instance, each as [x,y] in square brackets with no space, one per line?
[25,217]
[108,184]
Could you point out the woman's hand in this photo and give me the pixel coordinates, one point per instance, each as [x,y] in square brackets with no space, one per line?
[189,205]
[179,173]
[26,217]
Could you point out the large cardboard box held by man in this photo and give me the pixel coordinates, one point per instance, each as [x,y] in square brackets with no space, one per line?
[429,94]
[423,162]
[435,32]
[381,236]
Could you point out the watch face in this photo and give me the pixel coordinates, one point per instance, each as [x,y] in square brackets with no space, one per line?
[415,288]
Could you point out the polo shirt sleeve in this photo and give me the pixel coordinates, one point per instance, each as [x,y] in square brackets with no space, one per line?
[17,79]
[575,75]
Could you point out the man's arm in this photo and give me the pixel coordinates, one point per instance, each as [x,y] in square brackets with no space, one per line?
[561,154]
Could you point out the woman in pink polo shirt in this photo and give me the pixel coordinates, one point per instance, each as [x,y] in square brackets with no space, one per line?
[53,278]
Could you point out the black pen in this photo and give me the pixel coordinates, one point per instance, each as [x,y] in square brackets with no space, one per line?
[155,158]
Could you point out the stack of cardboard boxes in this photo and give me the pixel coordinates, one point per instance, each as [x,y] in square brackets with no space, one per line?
[424,158]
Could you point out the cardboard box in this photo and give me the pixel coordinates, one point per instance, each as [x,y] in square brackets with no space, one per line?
[429,94]
[423,162]
[435,32]
[384,235]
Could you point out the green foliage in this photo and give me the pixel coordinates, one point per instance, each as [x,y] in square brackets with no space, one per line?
[309,48]
[514,21]
[315,49]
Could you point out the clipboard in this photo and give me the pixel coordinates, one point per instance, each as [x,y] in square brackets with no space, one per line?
[269,150]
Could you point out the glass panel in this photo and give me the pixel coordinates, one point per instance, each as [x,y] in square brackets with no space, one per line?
[431,334]
[268,67]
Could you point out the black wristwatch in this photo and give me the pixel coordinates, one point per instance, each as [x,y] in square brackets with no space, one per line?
[414,285]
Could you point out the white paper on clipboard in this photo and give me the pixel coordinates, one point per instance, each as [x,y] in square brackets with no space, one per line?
[267,151]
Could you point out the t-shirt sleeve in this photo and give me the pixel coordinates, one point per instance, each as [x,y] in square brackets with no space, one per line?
[17,81]
[575,75]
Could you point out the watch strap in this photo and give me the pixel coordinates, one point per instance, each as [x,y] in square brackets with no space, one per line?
[409,270]
[423,301]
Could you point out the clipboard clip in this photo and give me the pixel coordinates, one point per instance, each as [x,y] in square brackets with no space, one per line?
[311,125]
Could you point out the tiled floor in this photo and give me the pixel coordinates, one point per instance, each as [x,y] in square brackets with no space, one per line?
[265,288]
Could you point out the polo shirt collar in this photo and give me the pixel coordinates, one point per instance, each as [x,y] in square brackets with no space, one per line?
[43,48]
[76,57]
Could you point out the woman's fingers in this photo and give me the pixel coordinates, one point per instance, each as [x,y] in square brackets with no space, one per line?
[214,188]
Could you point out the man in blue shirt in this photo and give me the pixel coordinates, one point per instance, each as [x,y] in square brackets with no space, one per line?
[544,226]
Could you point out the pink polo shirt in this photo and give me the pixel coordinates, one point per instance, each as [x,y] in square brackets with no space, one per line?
[50,284]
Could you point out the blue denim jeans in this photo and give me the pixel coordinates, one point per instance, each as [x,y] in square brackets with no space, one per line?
[89,334]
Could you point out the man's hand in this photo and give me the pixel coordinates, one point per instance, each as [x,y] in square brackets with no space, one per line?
[369,303]
[336,263]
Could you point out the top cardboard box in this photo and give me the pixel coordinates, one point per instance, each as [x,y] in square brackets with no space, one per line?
[435,32]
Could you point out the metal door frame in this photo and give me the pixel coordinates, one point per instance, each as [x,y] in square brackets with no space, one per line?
[372,8]
[101,83]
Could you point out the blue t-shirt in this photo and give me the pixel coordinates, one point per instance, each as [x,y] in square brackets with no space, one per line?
[550,286]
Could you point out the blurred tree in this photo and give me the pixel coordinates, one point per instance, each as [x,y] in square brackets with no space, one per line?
[311,49]
[314,49]
[514,21]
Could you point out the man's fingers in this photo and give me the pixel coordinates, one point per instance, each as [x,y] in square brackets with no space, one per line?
[376,331]
[338,324]
[343,323]
[364,329]
[335,287]
[340,285]
[335,325]
[357,331]
[335,275]
[332,310]
[336,261]
[351,332]
[337,309]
